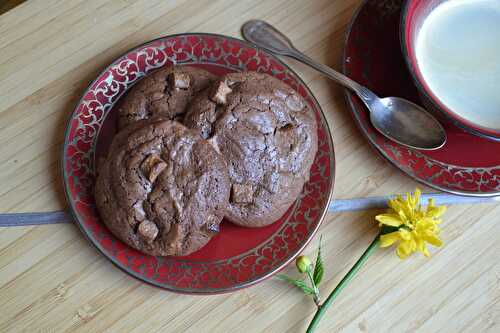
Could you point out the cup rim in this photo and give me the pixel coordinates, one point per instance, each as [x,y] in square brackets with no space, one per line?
[424,89]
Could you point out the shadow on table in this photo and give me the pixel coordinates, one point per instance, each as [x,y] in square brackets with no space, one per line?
[6,5]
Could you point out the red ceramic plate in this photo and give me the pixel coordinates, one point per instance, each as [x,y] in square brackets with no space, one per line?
[237,257]
[467,164]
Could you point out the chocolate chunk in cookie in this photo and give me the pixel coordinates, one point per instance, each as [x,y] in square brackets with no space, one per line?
[152,166]
[219,92]
[179,80]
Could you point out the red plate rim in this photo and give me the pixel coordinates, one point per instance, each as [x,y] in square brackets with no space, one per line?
[359,123]
[196,291]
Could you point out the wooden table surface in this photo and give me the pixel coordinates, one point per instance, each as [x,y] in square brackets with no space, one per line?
[52,280]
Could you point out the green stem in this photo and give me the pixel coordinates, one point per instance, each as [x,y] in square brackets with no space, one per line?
[315,288]
[352,272]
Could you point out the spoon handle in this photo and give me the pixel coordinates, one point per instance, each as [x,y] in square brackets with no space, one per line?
[364,93]
[331,73]
[266,36]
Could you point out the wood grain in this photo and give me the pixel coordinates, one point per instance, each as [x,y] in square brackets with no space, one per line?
[52,280]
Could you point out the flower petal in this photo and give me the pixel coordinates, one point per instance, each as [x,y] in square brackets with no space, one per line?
[422,247]
[436,211]
[404,234]
[396,203]
[389,239]
[392,220]
[404,249]
[403,217]
[407,208]
[416,196]
[426,225]
[413,245]
[432,239]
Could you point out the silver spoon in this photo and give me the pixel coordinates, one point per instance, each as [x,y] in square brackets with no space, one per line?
[397,118]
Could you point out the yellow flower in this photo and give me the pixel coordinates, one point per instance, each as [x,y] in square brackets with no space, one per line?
[414,225]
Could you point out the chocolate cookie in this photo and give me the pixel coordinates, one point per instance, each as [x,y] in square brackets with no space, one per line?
[267,135]
[164,93]
[162,189]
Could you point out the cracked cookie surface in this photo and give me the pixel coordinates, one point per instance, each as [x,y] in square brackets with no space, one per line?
[162,189]
[268,137]
[164,93]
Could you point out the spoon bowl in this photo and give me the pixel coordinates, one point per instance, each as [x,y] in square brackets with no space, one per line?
[407,124]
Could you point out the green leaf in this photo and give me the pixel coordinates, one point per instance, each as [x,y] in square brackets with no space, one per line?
[297,283]
[318,267]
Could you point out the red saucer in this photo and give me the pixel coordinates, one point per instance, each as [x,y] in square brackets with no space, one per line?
[467,164]
[237,257]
